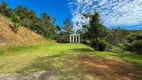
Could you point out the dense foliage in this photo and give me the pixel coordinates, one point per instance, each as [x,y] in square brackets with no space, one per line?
[135,42]
[135,46]
[135,36]
[115,40]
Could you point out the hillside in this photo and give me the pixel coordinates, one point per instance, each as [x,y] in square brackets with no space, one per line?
[9,38]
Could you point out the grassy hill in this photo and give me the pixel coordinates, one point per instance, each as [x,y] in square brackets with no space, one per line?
[9,38]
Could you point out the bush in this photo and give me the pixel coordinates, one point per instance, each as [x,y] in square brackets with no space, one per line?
[102,45]
[116,49]
[120,48]
[16,27]
[135,36]
[63,40]
[16,21]
[87,42]
[135,46]
[15,18]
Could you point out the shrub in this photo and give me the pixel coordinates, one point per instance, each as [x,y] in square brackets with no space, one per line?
[135,36]
[135,46]
[87,42]
[15,18]
[115,49]
[120,48]
[16,22]
[102,45]
[63,40]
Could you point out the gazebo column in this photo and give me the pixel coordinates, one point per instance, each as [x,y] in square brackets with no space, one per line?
[79,38]
[73,39]
[76,39]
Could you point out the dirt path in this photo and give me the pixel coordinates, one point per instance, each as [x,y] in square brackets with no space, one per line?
[109,69]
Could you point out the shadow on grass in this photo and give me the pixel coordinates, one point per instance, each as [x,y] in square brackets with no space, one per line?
[42,63]
[131,58]
[65,65]
[77,68]
[82,50]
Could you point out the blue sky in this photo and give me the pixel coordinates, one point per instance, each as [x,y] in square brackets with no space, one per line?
[114,13]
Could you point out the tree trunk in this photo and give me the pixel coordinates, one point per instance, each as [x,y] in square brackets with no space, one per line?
[97,44]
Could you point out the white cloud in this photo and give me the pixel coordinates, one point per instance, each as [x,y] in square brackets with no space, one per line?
[113,12]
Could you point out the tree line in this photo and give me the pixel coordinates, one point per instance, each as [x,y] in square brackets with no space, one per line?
[43,25]
[101,38]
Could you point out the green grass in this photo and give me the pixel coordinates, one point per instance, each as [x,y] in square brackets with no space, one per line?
[19,57]
[134,59]
[59,57]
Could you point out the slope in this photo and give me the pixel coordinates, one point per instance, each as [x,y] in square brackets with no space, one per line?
[9,38]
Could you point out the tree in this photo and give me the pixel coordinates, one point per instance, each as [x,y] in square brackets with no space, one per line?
[64,32]
[3,7]
[47,25]
[27,23]
[66,29]
[116,36]
[28,18]
[95,29]
[4,10]
[58,29]
[67,26]
[21,11]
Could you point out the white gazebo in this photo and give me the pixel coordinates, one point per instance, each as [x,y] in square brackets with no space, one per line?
[74,38]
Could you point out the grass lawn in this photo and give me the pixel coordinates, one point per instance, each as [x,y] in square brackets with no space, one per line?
[71,61]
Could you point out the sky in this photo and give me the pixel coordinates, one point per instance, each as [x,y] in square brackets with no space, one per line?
[126,14]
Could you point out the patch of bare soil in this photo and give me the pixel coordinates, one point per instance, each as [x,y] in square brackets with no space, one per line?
[109,69]
[44,75]
[23,37]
